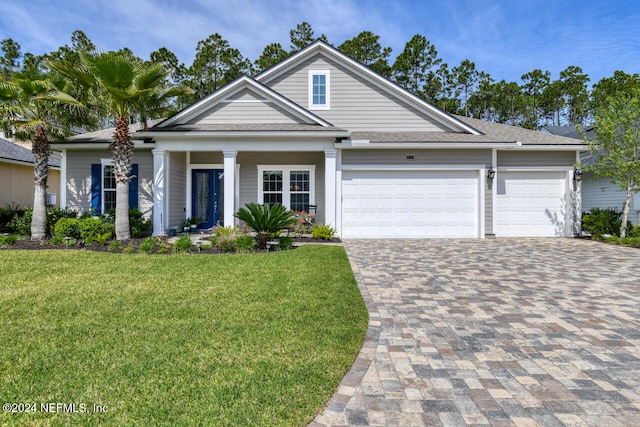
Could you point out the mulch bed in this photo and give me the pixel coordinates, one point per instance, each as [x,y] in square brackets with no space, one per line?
[134,244]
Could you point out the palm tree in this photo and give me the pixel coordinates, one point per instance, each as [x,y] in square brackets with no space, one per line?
[128,87]
[37,109]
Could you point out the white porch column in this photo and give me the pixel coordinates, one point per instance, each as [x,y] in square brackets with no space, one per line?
[159,192]
[229,186]
[330,186]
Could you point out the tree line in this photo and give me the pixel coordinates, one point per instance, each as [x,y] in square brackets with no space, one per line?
[43,96]
[535,101]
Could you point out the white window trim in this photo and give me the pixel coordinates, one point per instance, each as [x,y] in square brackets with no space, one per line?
[327,105]
[103,163]
[286,181]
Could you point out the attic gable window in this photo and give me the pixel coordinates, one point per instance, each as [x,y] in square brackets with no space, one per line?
[319,89]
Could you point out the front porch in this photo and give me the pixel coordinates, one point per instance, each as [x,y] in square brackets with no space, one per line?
[212,184]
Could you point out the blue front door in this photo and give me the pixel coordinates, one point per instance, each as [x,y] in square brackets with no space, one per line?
[207,196]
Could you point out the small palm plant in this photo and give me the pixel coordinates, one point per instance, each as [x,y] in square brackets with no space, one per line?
[265,219]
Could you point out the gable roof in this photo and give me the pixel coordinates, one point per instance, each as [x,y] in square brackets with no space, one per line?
[15,153]
[180,121]
[381,82]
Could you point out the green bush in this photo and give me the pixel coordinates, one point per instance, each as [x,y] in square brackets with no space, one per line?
[244,243]
[183,244]
[140,227]
[322,231]
[266,220]
[67,227]
[6,215]
[225,243]
[115,245]
[285,243]
[102,238]
[56,214]
[224,231]
[90,228]
[631,241]
[603,221]
[147,245]
[8,240]
[21,222]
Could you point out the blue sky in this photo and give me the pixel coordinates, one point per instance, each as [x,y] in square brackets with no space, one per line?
[504,38]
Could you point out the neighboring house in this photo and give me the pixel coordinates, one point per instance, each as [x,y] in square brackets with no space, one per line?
[598,193]
[322,129]
[16,177]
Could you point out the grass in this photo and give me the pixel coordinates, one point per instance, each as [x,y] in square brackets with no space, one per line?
[258,339]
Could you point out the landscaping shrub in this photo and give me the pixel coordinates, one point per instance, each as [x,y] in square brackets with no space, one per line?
[183,244]
[147,245]
[90,228]
[102,238]
[603,221]
[244,243]
[219,231]
[226,243]
[140,226]
[285,243]
[67,227]
[21,222]
[6,215]
[56,214]
[265,219]
[8,240]
[322,231]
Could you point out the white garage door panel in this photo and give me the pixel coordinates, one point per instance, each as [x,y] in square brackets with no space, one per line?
[531,204]
[410,204]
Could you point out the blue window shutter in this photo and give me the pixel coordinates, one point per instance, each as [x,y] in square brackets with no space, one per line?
[133,187]
[96,188]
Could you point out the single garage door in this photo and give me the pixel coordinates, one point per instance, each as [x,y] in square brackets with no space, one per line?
[531,204]
[412,204]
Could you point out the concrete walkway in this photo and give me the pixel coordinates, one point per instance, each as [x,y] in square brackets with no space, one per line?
[495,332]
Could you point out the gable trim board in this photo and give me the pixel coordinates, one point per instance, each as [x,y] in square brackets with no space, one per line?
[387,163]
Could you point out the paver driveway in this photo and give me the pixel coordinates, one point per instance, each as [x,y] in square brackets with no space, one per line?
[500,332]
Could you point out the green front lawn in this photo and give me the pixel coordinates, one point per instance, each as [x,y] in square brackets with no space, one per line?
[260,339]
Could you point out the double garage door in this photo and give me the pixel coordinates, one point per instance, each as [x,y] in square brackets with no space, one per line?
[432,204]
[410,204]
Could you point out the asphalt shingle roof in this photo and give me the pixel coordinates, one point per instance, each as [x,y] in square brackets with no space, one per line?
[17,153]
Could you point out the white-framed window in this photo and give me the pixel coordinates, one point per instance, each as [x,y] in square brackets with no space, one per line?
[291,186]
[319,89]
[108,185]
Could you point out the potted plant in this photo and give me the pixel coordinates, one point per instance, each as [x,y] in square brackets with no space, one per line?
[186,225]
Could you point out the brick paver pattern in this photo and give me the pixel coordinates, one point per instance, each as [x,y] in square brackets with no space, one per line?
[494,332]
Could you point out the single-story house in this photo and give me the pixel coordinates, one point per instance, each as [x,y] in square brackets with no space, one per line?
[322,129]
[16,176]
[598,193]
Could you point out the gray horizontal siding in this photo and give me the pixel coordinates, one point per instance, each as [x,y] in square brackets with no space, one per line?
[421,157]
[244,108]
[79,179]
[536,158]
[355,103]
[600,193]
